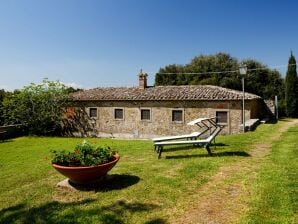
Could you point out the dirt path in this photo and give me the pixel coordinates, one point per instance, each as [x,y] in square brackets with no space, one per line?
[225,197]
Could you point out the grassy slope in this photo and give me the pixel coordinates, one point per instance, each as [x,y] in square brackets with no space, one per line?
[275,198]
[141,189]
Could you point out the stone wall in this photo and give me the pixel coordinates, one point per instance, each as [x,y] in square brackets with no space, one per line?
[161,124]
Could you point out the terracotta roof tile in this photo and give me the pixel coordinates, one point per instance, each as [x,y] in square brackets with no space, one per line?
[190,92]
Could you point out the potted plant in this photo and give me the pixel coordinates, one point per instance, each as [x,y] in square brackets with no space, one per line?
[87,163]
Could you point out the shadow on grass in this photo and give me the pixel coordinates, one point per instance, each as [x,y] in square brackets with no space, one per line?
[109,183]
[76,212]
[214,154]
[157,221]
[219,144]
[194,147]
[274,121]
[6,140]
[284,119]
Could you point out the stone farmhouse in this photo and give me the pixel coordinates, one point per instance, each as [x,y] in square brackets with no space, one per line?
[147,112]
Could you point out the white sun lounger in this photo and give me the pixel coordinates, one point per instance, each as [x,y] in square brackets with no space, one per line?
[203,142]
[203,121]
[192,136]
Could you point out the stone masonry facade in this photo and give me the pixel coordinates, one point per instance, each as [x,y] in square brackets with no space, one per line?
[147,112]
[160,123]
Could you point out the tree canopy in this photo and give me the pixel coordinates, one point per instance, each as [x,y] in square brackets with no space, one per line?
[2,96]
[291,88]
[39,107]
[223,70]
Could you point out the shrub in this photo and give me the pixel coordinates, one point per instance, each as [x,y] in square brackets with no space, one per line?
[38,107]
[84,154]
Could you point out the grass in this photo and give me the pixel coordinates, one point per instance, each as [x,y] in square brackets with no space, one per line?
[275,195]
[140,188]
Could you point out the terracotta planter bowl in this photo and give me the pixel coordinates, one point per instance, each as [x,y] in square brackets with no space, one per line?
[86,174]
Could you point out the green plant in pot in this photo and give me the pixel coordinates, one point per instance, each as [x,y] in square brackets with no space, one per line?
[86,163]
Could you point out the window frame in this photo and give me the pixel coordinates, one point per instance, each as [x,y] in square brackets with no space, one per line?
[182,116]
[114,113]
[89,112]
[222,111]
[150,114]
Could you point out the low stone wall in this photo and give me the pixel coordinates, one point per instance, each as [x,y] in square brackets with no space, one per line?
[11,131]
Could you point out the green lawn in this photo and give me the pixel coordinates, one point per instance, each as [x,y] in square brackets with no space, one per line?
[139,189]
[275,195]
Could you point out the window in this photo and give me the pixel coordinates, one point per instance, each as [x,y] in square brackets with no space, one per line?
[221,116]
[145,114]
[93,112]
[177,115]
[118,113]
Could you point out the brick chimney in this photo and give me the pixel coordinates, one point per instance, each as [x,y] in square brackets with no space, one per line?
[142,80]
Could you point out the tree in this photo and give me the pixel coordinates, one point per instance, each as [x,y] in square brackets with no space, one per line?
[39,107]
[291,83]
[211,65]
[223,70]
[2,95]
[169,75]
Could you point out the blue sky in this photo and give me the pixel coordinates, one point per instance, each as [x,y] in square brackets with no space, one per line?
[106,42]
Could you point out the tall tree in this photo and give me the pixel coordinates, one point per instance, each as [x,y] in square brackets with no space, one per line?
[291,83]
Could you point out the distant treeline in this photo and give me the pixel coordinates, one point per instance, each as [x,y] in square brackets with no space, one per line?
[223,70]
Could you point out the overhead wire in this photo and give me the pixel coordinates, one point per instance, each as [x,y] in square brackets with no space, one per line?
[221,72]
